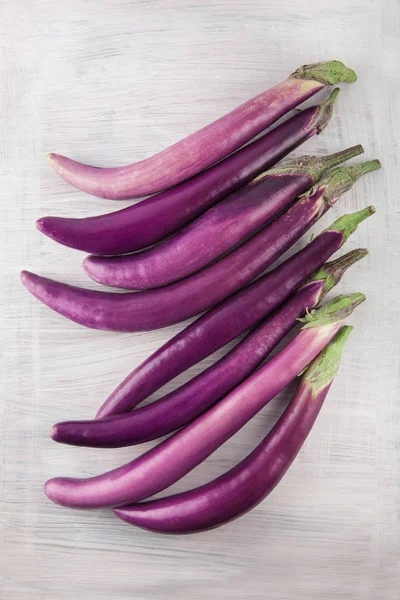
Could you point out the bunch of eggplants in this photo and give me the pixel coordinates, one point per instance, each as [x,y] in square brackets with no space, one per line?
[224,209]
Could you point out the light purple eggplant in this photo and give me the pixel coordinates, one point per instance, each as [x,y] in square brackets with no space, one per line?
[173,458]
[153,309]
[229,319]
[190,400]
[238,491]
[207,146]
[157,217]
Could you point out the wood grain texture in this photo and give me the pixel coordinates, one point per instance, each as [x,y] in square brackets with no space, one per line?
[109,83]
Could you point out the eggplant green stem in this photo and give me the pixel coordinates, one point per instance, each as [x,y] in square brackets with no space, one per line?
[332,272]
[313,166]
[335,159]
[330,72]
[336,310]
[347,224]
[323,369]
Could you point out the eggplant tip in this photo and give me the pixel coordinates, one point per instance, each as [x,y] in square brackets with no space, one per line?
[86,264]
[25,277]
[40,224]
[48,489]
[120,513]
[28,280]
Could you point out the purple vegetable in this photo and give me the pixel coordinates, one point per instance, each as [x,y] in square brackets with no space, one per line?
[213,234]
[239,490]
[161,466]
[165,306]
[186,403]
[208,145]
[155,218]
[229,319]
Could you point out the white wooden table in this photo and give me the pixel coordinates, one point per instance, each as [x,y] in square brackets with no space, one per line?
[110,82]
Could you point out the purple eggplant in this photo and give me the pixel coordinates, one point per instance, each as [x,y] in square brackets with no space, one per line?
[153,309]
[166,463]
[186,403]
[207,146]
[229,319]
[239,490]
[157,217]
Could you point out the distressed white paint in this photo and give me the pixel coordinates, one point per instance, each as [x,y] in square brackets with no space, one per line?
[113,81]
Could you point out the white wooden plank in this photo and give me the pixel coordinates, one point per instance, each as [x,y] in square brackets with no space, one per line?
[111,82]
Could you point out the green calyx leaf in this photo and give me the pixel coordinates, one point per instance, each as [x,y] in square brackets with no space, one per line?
[332,272]
[347,224]
[329,73]
[340,180]
[336,310]
[323,369]
[325,111]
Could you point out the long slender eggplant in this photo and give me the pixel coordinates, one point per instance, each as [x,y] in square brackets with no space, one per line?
[238,491]
[207,146]
[229,319]
[173,458]
[152,220]
[190,400]
[153,309]
[210,236]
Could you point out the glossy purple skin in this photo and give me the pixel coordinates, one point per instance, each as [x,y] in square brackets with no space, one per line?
[153,309]
[173,458]
[190,400]
[238,491]
[210,236]
[191,155]
[157,217]
[220,325]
